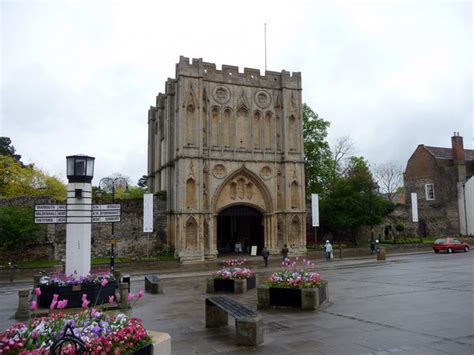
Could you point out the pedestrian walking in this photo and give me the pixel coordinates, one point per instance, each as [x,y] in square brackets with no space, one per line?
[372,245]
[328,250]
[265,254]
[285,252]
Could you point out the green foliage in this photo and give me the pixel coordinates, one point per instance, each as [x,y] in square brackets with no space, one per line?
[17,227]
[7,149]
[400,227]
[319,166]
[17,179]
[352,202]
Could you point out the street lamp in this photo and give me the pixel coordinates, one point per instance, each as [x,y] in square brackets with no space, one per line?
[109,183]
[79,169]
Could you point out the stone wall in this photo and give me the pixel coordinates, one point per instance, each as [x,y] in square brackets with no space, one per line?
[131,240]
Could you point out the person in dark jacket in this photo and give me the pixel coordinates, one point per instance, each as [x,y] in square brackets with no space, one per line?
[265,254]
[285,252]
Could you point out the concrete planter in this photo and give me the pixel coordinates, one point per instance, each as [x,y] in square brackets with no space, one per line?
[96,294]
[230,285]
[161,343]
[301,298]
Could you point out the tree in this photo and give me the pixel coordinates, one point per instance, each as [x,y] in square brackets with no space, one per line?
[17,179]
[343,149]
[7,148]
[17,227]
[389,176]
[317,153]
[119,186]
[352,202]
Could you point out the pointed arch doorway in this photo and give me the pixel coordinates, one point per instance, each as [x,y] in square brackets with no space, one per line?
[240,225]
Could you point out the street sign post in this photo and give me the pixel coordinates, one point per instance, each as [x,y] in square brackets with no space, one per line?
[60,214]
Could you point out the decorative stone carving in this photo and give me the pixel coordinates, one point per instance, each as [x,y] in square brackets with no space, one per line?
[219,171]
[266,172]
[221,94]
[262,99]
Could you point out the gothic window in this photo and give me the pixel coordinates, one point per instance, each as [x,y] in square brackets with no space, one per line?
[267,131]
[293,130]
[233,190]
[191,233]
[190,193]
[295,195]
[278,132]
[190,124]
[256,130]
[227,128]
[215,119]
[241,128]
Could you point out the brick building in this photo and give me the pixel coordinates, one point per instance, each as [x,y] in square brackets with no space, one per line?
[442,179]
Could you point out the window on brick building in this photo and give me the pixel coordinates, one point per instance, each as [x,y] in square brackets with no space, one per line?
[429,189]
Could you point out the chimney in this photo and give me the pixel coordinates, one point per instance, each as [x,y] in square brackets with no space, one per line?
[458,155]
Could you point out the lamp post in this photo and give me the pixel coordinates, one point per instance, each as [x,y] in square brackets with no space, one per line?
[111,184]
[80,171]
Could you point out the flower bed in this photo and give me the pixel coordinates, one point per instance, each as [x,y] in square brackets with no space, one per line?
[97,287]
[294,286]
[100,333]
[233,277]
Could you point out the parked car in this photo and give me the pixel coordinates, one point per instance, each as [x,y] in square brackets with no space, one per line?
[450,245]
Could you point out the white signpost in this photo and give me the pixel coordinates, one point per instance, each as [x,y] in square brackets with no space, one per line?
[315,216]
[49,214]
[414,207]
[148,213]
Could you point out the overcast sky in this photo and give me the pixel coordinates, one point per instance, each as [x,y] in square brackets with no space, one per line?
[80,77]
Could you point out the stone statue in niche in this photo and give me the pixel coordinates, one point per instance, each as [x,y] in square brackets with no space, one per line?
[248,190]
[233,190]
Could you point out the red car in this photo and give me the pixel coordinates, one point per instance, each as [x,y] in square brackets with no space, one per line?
[450,245]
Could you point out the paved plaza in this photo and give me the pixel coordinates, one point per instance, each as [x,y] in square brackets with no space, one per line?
[419,303]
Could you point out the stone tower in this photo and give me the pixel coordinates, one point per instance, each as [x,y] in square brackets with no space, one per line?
[227,148]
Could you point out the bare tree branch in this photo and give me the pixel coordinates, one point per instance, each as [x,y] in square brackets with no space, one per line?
[343,149]
[389,176]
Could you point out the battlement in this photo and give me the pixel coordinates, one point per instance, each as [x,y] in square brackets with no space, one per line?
[231,74]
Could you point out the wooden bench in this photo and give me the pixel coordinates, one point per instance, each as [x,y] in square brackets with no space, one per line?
[248,323]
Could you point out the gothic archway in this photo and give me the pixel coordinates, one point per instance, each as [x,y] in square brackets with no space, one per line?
[238,228]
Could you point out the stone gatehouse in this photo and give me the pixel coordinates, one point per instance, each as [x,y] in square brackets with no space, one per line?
[227,148]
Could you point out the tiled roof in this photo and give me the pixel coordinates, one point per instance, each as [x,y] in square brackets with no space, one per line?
[447,153]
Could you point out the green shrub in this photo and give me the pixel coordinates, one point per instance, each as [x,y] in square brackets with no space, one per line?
[400,227]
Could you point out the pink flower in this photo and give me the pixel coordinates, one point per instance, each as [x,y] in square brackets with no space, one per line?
[34,305]
[37,291]
[104,282]
[55,297]
[140,294]
[85,303]
[53,304]
[93,312]
[84,296]
[111,299]
[34,334]
[131,296]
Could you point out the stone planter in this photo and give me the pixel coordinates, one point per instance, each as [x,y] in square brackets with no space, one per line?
[301,298]
[161,343]
[231,285]
[96,294]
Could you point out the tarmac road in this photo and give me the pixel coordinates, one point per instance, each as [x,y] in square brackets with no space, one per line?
[419,303]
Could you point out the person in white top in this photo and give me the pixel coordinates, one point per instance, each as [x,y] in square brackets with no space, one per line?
[328,250]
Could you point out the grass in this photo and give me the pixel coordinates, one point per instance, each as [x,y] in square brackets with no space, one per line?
[43,264]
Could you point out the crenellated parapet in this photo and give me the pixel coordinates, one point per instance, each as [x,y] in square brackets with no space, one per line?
[230,74]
